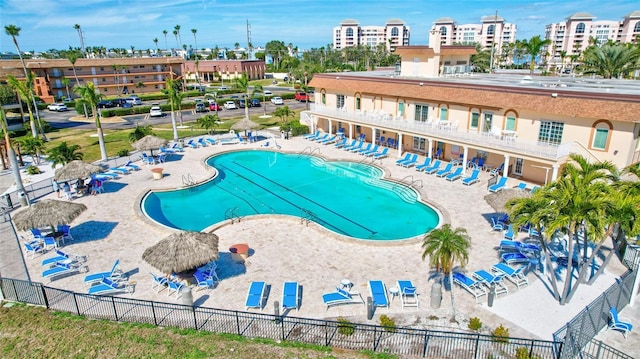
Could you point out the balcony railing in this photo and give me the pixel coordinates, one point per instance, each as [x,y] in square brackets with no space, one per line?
[506,143]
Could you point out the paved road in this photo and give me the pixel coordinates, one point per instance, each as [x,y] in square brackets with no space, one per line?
[61,119]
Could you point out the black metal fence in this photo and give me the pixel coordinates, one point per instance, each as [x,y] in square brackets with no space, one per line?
[578,334]
[400,341]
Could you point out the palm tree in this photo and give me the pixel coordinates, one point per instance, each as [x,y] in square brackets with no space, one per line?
[284,113]
[533,47]
[22,88]
[176,31]
[72,56]
[155,41]
[63,154]
[11,153]
[195,39]
[563,55]
[259,90]
[610,60]
[34,147]
[140,132]
[208,122]
[65,82]
[445,247]
[14,32]
[175,101]
[165,32]
[243,85]
[79,30]
[90,97]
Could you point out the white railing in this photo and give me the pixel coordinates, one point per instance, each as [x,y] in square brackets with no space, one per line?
[463,137]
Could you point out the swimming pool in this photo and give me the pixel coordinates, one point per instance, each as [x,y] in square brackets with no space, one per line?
[345,197]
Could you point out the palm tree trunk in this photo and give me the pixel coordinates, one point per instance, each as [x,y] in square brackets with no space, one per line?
[453,303]
[103,147]
[173,125]
[554,282]
[569,275]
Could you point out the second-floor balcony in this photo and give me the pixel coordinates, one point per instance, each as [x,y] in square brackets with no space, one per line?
[450,132]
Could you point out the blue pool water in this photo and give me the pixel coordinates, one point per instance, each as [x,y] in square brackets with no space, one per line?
[345,197]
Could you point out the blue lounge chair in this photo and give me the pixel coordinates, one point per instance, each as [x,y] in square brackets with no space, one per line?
[321,138]
[147,160]
[33,248]
[192,143]
[502,183]
[159,283]
[255,295]
[496,171]
[433,168]
[471,179]
[202,142]
[508,234]
[345,144]
[176,147]
[522,186]
[119,170]
[131,166]
[210,140]
[423,165]
[371,151]
[384,153]
[534,189]
[311,135]
[378,293]
[404,159]
[617,323]
[470,285]
[290,294]
[515,276]
[411,162]
[62,257]
[60,269]
[341,296]
[174,287]
[408,294]
[445,171]
[514,257]
[492,280]
[107,286]
[455,175]
[205,279]
[496,224]
[113,274]
[381,140]
[330,140]
[363,149]
[341,143]
[356,146]
[391,143]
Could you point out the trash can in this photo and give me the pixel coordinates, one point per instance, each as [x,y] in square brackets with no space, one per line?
[23,198]
[436,295]
[186,296]
[492,295]
[7,200]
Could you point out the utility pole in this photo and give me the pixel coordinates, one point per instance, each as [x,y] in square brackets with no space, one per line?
[249,45]
[493,42]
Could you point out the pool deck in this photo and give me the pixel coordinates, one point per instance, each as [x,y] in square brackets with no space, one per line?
[284,249]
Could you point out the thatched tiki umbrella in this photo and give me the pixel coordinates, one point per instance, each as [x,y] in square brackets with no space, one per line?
[498,200]
[149,143]
[47,213]
[182,251]
[244,125]
[76,169]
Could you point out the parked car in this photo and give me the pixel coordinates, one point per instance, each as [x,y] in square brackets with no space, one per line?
[105,104]
[57,107]
[254,102]
[155,111]
[134,100]
[120,102]
[268,93]
[200,107]
[223,88]
[242,103]
[213,106]
[277,100]
[230,105]
[302,96]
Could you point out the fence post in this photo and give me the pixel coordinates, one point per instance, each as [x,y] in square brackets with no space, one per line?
[44,296]
[426,343]
[375,334]
[195,318]
[326,333]
[475,350]
[282,327]
[153,311]
[75,300]
[115,311]
[238,322]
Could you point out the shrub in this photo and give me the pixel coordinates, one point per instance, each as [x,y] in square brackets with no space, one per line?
[522,353]
[123,153]
[33,170]
[475,324]
[387,323]
[345,327]
[500,334]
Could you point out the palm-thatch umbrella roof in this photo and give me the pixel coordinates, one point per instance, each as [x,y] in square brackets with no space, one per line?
[244,124]
[182,251]
[498,200]
[75,169]
[47,213]
[149,143]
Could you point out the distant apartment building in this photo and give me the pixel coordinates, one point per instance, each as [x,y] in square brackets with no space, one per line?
[492,30]
[393,34]
[111,76]
[572,36]
[214,70]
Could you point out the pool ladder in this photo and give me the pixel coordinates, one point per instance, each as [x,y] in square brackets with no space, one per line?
[306,216]
[187,180]
[230,214]
[311,150]
[412,181]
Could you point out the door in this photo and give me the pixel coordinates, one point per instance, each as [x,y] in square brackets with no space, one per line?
[517,166]
[487,122]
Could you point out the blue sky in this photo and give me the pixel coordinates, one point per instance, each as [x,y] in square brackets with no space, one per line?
[49,24]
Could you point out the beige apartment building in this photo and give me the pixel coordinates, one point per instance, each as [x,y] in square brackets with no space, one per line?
[393,34]
[491,30]
[572,35]
[225,70]
[529,127]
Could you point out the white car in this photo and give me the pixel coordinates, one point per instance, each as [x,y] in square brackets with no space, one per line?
[277,100]
[268,93]
[57,107]
[230,105]
[155,111]
[134,100]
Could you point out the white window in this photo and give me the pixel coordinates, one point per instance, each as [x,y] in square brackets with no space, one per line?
[517,166]
[551,132]
[487,122]
[475,118]
[510,124]
[340,101]
[422,113]
[419,144]
[443,114]
[600,137]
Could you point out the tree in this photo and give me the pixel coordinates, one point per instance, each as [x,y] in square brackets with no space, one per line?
[90,97]
[11,153]
[563,56]
[195,40]
[155,41]
[284,113]
[481,59]
[277,50]
[65,82]
[165,32]
[14,32]
[243,85]
[259,90]
[610,60]
[445,247]
[22,88]
[34,147]
[72,56]
[209,122]
[175,100]
[63,154]
[140,132]
[533,47]
[79,30]
[176,32]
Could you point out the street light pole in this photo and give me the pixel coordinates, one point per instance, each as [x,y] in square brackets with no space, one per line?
[306,89]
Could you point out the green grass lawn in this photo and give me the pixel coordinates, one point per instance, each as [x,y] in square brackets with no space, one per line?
[35,332]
